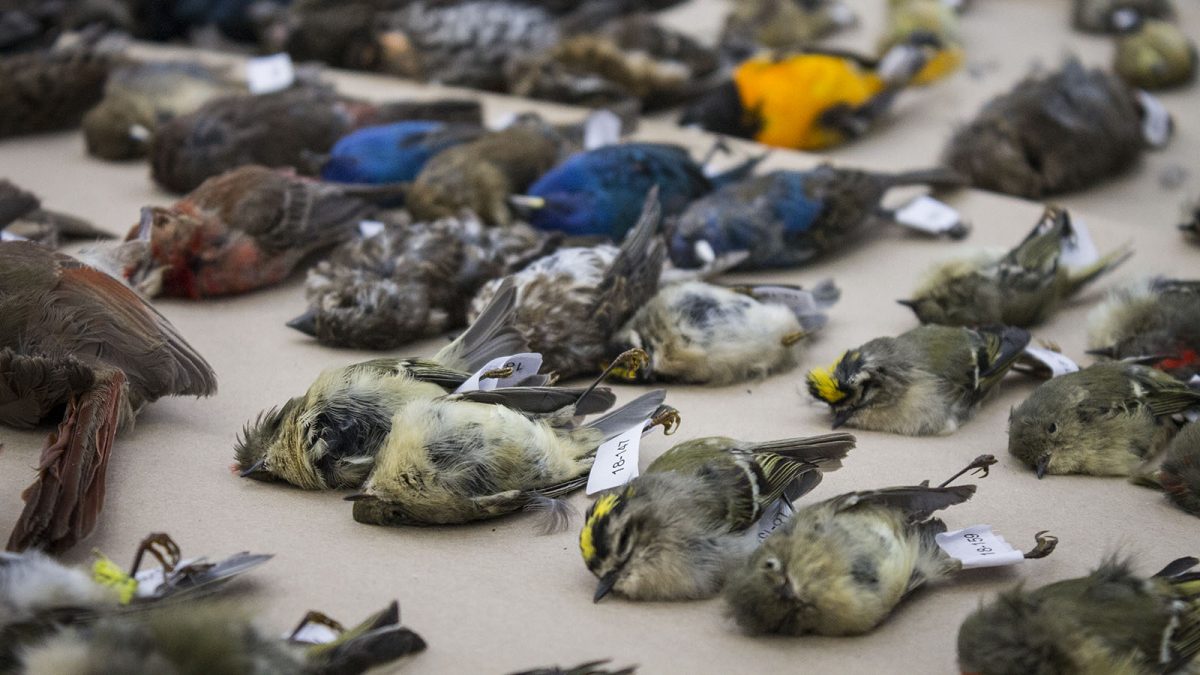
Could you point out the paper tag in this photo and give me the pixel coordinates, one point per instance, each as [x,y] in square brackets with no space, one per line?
[523,366]
[267,74]
[313,634]
[928,215]
[1059,364]
[772,519]
[1156,120]
[978,546]
[370,228]
[798,300]
[1079,250]
[616,460]
[151,580]
[601,128]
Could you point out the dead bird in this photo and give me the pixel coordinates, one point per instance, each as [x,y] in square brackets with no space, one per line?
[339,33]
[1157,55]
[140,97]
[411,280]
[628,60]
[51,90]
[571,302]
[275,130]
[702,333]
[1020,288]
[781,25]
[79,346]
[482,174]
[1153,321]
[242,230]
[22,217]
[1116,16]
[1051,134]
[907,19]
[1179,474]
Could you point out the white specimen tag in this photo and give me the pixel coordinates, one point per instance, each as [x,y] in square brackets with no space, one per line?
[370,228]
[267,74]
[523,365]
[149,581]
[978,546]
[313,634]
[798,300]
[772,519]
[1156,120]
[1079,250]
[928,215]
[616,460]
[1059,364]
[601,128]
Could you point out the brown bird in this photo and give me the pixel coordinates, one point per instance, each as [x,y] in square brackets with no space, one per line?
[240,231]
[50,90]
[73,336]
[22,215]
[275,130]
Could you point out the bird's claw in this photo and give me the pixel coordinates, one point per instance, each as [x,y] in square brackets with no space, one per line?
[162,547]
[497,373]
[1046,544]
[666,417]
[630,360]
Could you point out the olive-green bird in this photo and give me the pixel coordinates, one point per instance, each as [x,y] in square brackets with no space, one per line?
[673,532]
[328,438]
[1107,419]
[1021,288]
[929,380]
[1154,321]
[1158,55]
[1112,621]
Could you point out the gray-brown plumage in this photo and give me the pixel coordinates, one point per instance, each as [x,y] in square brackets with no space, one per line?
[1154,321]
[73,336]
[339,33]
[570,303]
[50,90]
[275,130]
[1115,16]
[783,25]
[1051,134]
[411,280]
[1158,55]
[631,59]
[481,175]
[22,215]
[138,98]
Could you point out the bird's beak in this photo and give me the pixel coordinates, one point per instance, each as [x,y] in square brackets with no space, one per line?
[356,497]
[305,323]
[146,224]
[911,304]
[605,586]
[257,467]
[525,204]
[842,416]
[1042,464]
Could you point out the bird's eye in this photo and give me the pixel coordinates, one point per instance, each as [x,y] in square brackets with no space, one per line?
[1052,428]
[772,564]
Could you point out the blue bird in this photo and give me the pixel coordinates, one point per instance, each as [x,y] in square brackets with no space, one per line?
[788,218]
[392,153]
[600,192]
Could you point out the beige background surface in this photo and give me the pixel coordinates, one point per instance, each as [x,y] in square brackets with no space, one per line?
[494,597]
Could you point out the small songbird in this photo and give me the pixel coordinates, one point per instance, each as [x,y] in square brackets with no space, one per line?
[51,90]
[1020,288]
[927,381]
[242,230]
[411,280]
[1179,474]
[1107,420]
[1051,134]
[787,218]
[392,153]
[140,97]
[276,130]
[40,596]
[1158,55]
[1154,321]
[328,438]
[808,100]
[781,25]
[1117,16]
[839,567]
[907,19]
[214,637]
[1110,621]
[22,217]
[484,454]
[79,344]
[482,174]
[571,302]
[702,333]
[600,192]
[673,532]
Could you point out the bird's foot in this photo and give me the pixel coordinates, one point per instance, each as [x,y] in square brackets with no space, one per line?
[162,547]
[1046,544]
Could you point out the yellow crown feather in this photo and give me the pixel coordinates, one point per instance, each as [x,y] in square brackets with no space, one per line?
[604,506]
[824,385]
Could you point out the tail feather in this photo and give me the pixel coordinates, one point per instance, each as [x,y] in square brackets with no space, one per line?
[637,410]
[491,335]
[1083,277]
[824,451]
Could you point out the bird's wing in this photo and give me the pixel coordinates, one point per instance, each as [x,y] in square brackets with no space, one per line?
[543,400]
[917,502]
[1164,394]
[1000,346]
[633,277]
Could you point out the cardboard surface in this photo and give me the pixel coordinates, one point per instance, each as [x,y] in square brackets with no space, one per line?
[495,597]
